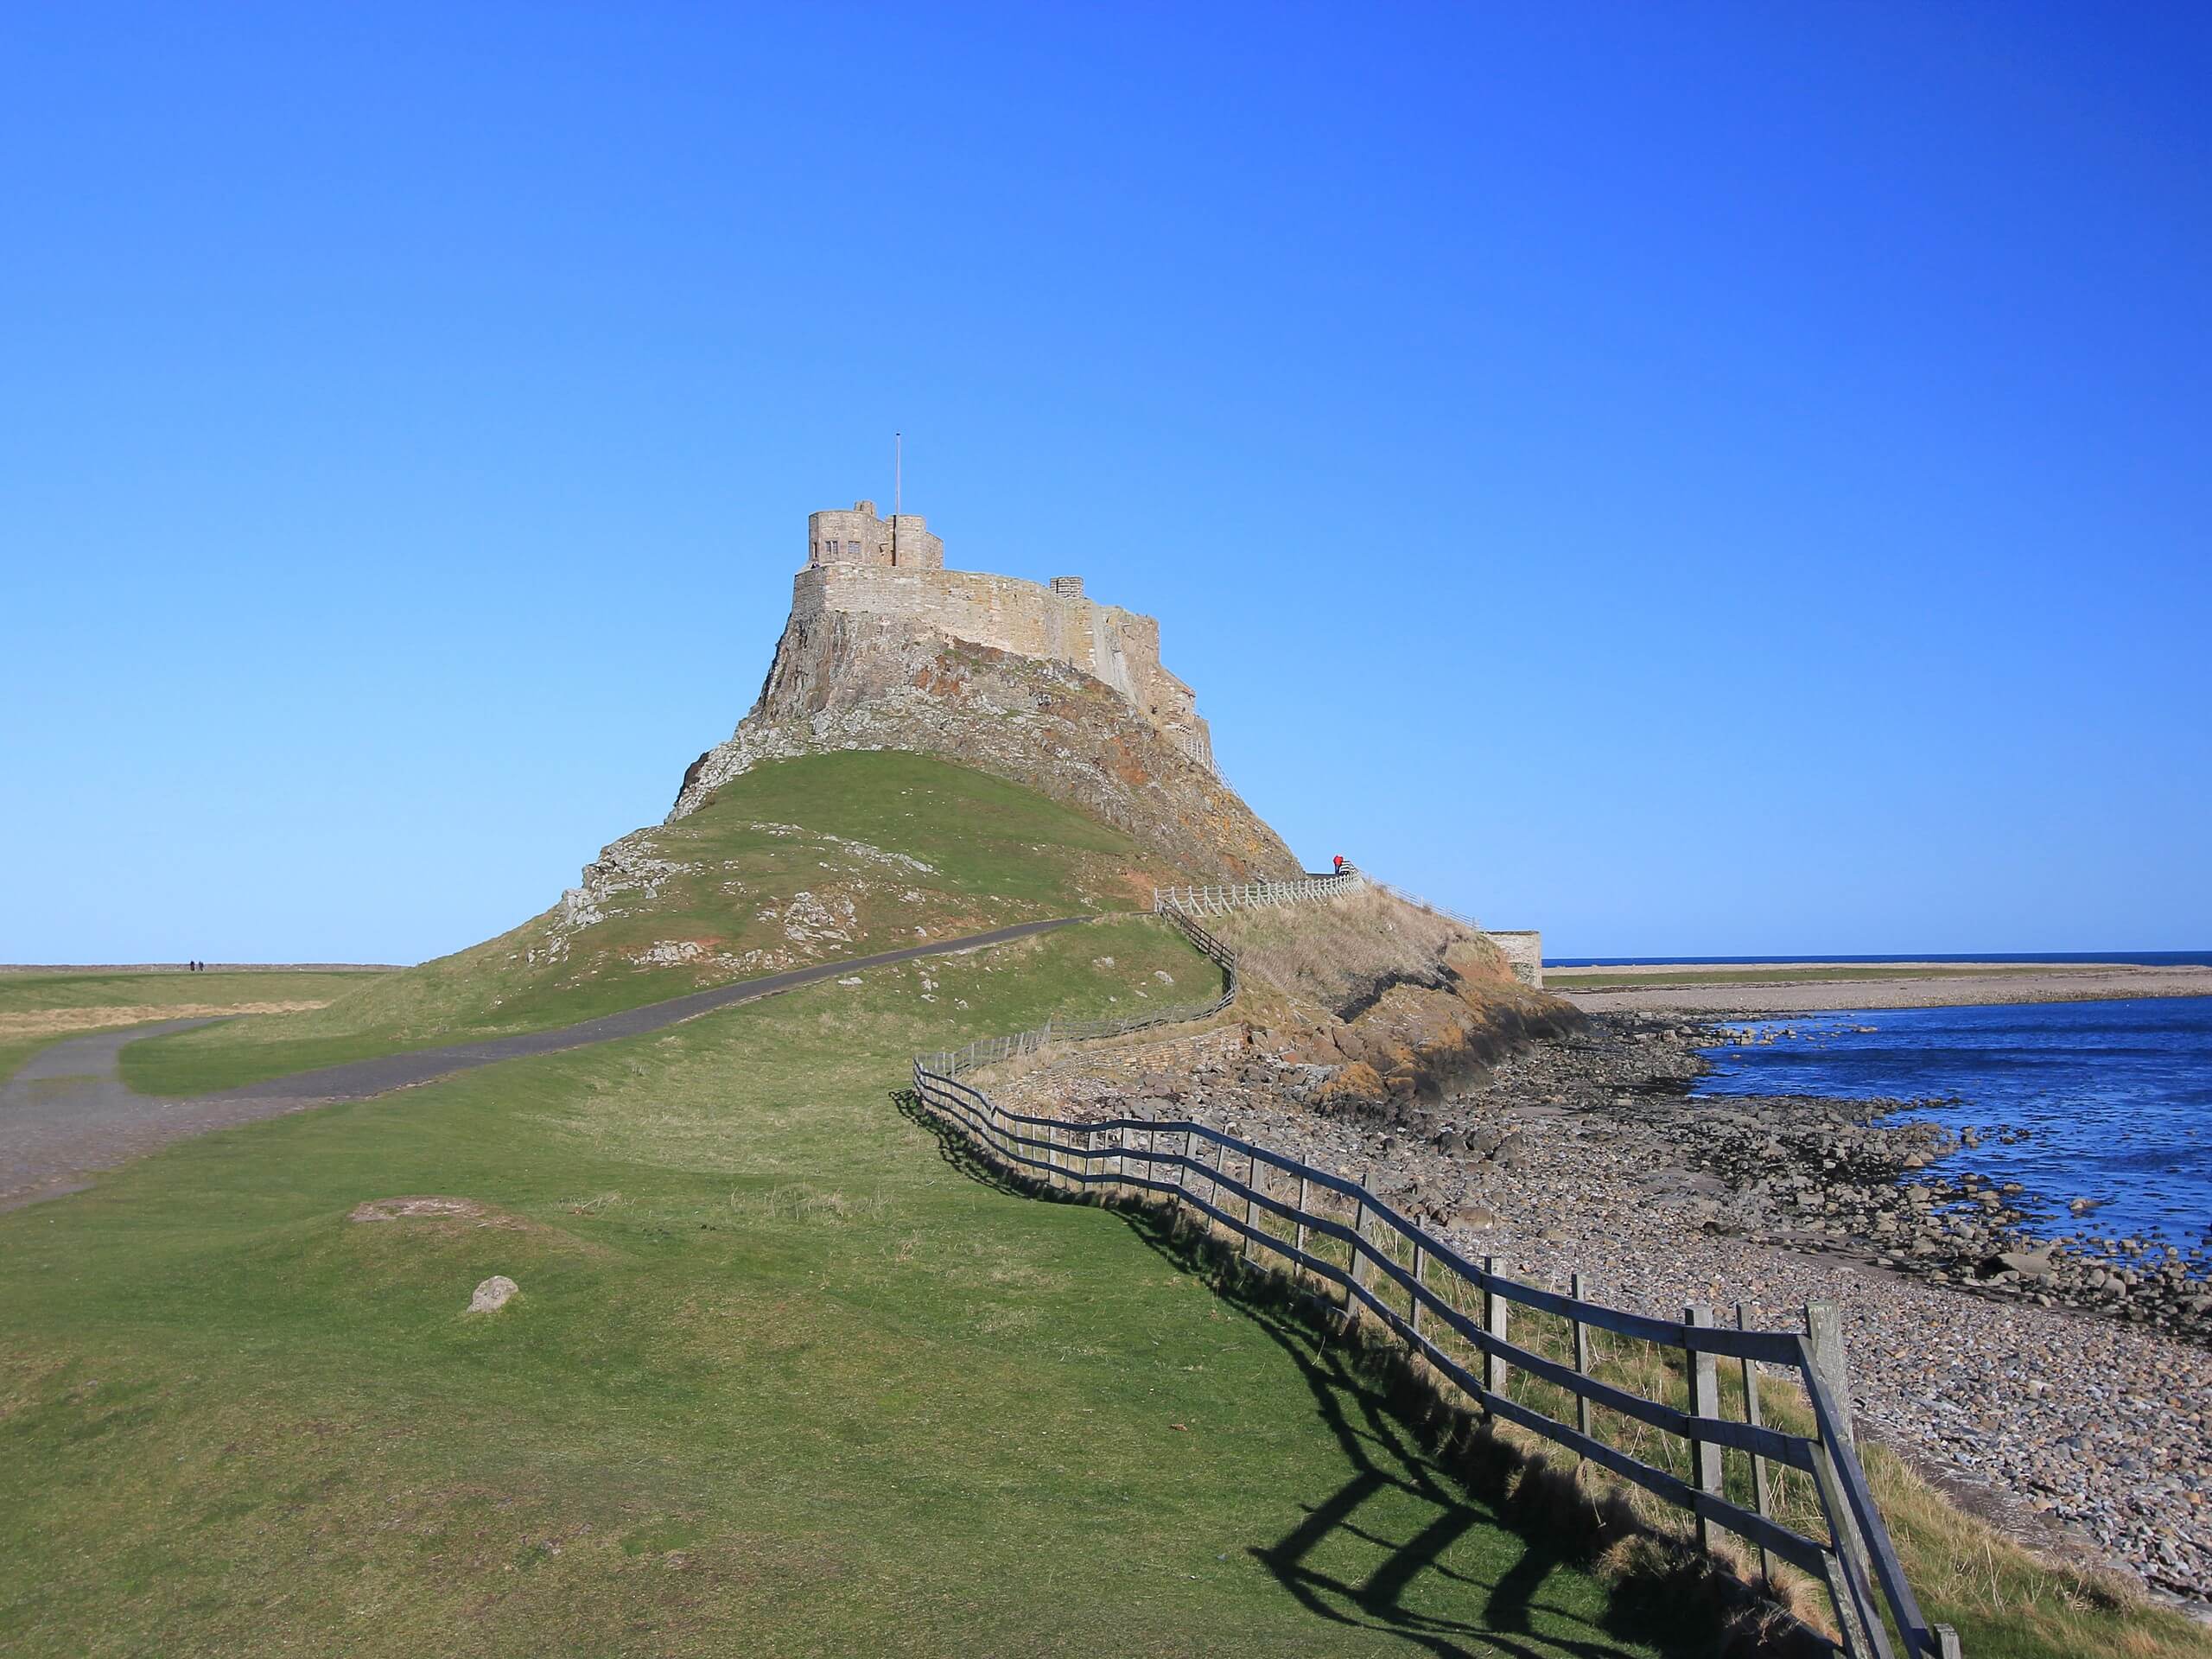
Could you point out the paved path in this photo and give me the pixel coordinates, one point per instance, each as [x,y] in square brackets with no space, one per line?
[67,1112]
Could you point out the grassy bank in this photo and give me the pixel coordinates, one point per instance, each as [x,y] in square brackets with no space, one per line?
[40,1008]
[797,862]
[781,1380]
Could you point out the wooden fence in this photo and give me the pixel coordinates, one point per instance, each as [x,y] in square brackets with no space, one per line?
[1252,895]
[1798,1497]
[1420,903]
[989,1050]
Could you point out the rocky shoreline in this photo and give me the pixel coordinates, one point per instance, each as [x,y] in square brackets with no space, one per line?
[2066,1383]
[1859,1177]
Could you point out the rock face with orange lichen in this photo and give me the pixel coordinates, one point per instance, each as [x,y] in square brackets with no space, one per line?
[845,680]
[1403,1005]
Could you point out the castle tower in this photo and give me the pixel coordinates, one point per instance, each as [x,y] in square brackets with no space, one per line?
[859,537]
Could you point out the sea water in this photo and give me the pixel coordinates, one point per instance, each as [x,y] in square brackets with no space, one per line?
[2116,1097]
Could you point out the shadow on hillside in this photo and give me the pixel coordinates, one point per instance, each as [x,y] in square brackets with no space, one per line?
[1372,1554]
[957,1149]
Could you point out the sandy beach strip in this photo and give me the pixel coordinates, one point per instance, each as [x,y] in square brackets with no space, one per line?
[1807,987]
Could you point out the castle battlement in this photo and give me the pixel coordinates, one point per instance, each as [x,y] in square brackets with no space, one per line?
[902,541]
[894,570]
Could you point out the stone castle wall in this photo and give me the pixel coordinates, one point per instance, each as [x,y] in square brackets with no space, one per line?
[859,537]
[1057,624]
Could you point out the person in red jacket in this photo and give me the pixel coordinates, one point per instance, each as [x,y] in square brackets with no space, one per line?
[1340,863]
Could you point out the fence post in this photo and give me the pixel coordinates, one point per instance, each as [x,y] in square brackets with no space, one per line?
[1847,1569]
[1305,1199]
[1251,1245]
[1856,1617]
[1358,1252]
[1824,1325]
[1761,1494]
[1582,1355]
[1704,1375]
[1947,1643]
[1420,1283]
[1494,1307]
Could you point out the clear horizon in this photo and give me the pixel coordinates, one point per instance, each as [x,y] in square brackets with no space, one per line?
[1685,481]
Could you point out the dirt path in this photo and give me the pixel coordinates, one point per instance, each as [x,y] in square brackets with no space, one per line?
[65,1113]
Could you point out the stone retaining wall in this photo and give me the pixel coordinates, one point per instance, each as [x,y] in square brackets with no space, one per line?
[1523,950]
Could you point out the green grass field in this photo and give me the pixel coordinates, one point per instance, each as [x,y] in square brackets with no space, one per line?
[40,1008]
[917,848]
[783,1378]
[781,1381]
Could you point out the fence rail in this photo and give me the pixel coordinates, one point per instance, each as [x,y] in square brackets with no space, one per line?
[1453,1312]
[989,1051]
[1252,895]
[1420,903]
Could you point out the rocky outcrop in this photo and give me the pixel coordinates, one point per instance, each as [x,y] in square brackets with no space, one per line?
[842,681]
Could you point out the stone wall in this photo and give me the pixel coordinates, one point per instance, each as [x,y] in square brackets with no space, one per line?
[1119,648]
[859,537]
[1524,953]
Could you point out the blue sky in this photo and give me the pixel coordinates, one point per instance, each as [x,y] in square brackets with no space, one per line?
[1698,479]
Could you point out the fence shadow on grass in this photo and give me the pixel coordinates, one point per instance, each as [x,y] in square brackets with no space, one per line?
[1392,1461]
[957,1149]
[1441,1475]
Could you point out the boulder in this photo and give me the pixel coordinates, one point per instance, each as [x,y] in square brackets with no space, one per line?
[493,1294]
[2029,1264]
[1356,1084]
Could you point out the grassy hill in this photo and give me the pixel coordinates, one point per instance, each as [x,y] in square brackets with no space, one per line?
[800,860]
[785,1377]
[781,1380]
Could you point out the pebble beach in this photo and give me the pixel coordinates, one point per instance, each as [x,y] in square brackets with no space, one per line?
[2065,1396]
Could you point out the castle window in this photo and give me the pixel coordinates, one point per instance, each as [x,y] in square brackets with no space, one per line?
[852,550]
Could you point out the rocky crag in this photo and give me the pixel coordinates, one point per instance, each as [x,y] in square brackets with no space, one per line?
[889,662]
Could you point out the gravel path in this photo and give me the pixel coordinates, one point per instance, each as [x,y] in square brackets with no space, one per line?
[66,1113]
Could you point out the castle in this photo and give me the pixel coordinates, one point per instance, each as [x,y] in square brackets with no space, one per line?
[892,570]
